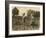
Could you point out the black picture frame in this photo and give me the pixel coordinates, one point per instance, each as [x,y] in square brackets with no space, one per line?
[7,18]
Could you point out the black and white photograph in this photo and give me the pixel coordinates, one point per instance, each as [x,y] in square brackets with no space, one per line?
[25,18]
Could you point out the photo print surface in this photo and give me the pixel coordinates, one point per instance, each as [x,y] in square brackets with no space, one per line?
[24,19]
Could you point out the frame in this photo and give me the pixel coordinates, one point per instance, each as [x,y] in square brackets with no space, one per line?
[28,5]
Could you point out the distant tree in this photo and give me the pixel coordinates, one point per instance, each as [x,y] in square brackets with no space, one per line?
[36,14]
[29,12]
[23,14]
[15,11]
